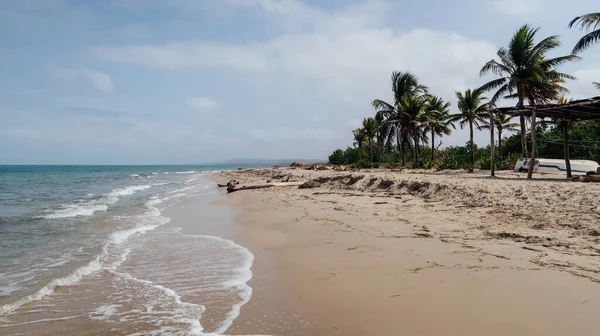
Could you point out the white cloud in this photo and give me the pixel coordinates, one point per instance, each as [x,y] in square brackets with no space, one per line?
[99,80]
[345,56]
[582,87]
[203,104]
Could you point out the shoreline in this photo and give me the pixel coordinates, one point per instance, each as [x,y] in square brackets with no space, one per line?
[420,254]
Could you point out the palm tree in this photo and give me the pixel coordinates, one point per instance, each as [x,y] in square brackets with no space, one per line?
[359,140]
[473,112]
[412,118]
[371,131]
[437,120]
[388,114]
[597,85]
[525,73]
[502,122]
[585,22]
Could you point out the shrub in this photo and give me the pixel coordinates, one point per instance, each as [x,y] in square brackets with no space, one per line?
[337,157]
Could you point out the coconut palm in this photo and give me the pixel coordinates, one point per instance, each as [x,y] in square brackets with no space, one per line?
[526,73]
[371,131]
[473,107]
[502,122]
[597,85]
[412,118]
[389,115]
[359,140]
[587,22]
[437,120]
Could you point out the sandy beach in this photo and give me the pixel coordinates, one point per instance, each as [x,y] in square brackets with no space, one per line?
[419,253]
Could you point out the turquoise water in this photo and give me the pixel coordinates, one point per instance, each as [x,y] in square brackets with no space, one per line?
[97,227]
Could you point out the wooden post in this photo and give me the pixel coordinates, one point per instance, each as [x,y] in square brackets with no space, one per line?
[566,146]
[493,159]
[533,143]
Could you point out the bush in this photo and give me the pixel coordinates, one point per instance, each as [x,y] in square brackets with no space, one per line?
[351,155]
[337,157]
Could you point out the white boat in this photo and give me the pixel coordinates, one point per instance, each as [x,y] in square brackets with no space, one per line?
[559,166]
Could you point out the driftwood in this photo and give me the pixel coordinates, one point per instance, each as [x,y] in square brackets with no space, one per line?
[587,178]
[232,186]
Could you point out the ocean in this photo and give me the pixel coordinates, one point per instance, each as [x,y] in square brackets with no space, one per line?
[90,250]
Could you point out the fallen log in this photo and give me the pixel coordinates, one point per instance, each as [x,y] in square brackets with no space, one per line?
[232,187]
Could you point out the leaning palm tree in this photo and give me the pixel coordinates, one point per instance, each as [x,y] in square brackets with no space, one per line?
[473,107]
[587,22]
[371,131]
[502,122]
[437,120]
[525,72]
[388,114]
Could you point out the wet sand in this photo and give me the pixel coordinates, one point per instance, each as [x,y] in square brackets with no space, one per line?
[387,253]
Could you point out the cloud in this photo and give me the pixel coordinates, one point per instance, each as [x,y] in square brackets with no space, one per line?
[519,7]
[181,56]
[338,62]
[203,104]
[582,87]
[99,80]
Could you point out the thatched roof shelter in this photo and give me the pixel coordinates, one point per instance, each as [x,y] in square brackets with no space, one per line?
[577,110]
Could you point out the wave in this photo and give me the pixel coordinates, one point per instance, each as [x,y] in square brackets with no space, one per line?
[186,172]
[110,258]
[95,203]
[128,190]
[74,210]
[74,277]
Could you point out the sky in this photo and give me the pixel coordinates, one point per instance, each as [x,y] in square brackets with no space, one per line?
[199,81]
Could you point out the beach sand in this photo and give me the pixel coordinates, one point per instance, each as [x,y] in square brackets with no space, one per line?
[401,253]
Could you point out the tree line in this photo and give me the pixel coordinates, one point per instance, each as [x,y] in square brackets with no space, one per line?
[405,129]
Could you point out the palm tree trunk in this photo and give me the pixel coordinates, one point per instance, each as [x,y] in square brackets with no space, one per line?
[359,152]
[500,144]
[416,139]
[432,146]
[522,123]
[523,137]
[492,144]
[565,125]
[399,146]
[371,151]
[472,148]
[533,144]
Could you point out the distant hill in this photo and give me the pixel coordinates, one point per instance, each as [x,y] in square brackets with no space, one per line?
[268,162]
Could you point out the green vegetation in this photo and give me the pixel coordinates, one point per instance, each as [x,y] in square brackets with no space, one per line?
[408,130]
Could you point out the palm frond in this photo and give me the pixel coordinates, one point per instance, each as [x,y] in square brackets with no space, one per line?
[495,68]
[381,105]
[591,20]
[587,41]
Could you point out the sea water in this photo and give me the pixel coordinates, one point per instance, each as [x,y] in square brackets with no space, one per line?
[88,250]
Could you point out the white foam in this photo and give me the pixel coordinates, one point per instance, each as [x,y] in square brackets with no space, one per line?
[90,207]
[128,191]
[104,312]
[186,172]
[105,260]
[70,279]
[75,210]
